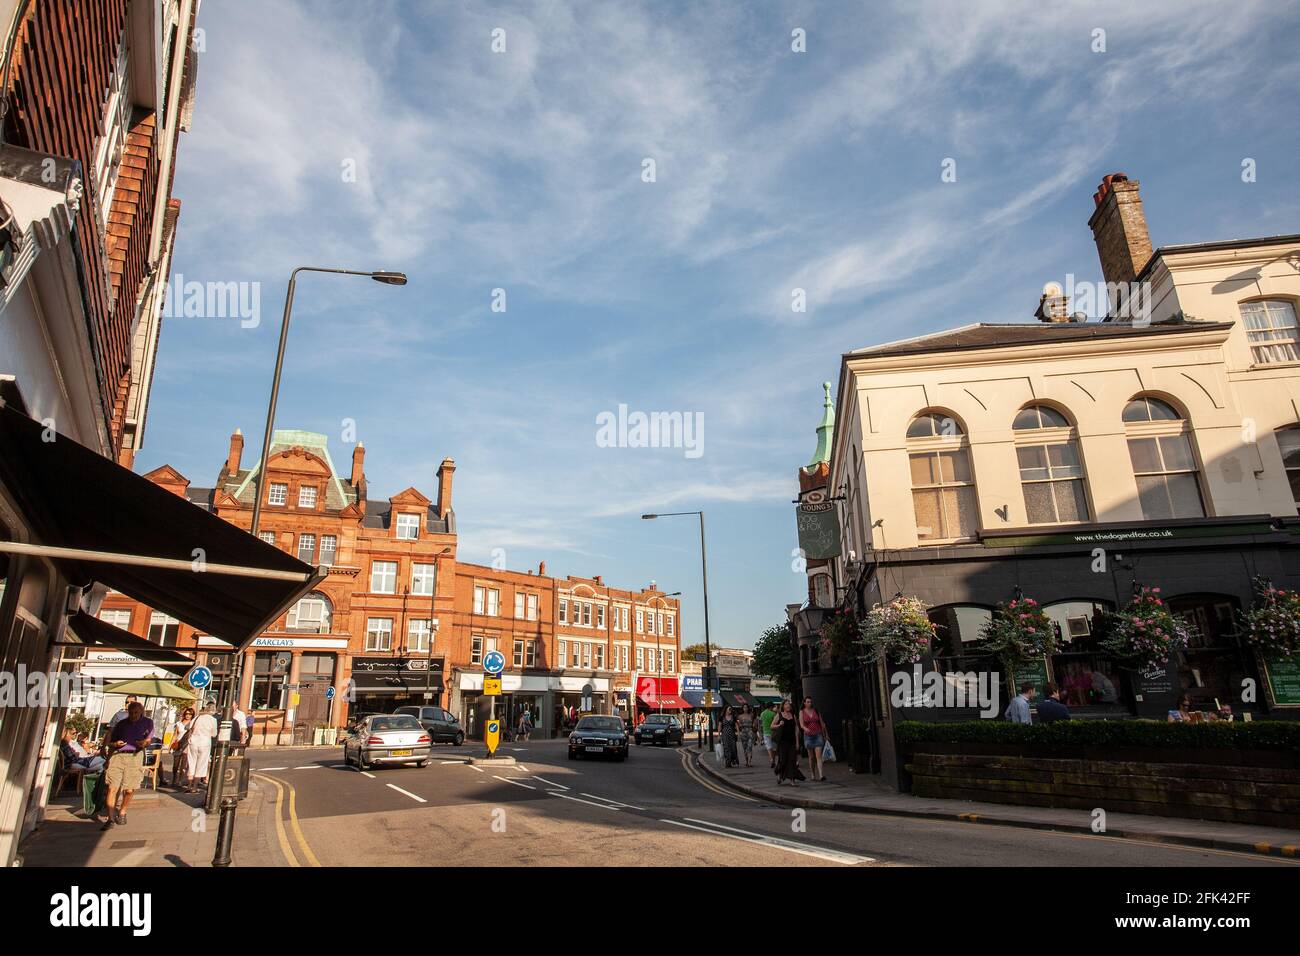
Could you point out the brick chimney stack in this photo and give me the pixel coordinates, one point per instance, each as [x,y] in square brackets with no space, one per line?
[1054,306]
[236,452]
[1120,229]
[445,471]
[358,464]
[541,569]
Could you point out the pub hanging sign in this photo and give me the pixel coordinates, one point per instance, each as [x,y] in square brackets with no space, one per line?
[819,526]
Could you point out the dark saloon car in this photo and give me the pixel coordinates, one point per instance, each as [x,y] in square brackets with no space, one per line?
[442,725]
[663,729]
[597,736]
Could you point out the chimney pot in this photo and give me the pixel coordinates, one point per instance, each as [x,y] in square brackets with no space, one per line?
[236,452]
[358,464]
[1119,228]
[445,472]
[541,569]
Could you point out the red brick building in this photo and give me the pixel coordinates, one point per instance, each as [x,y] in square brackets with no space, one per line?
[398,620]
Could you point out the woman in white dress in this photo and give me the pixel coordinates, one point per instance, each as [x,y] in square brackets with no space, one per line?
[199,749]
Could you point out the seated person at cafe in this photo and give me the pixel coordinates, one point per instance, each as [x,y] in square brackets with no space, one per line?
[1183,711]
[75,755]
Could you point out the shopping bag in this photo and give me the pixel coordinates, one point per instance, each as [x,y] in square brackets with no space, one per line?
[717,751]
[828,753]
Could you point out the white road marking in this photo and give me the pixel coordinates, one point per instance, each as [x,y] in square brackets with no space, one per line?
[526,786]
[445,762]
[313,766]
[333,765]
[557,786]
[472,767]
[719,829]
[621,806]
[590,803]
[260,769]
[521,768]
[407,793]
[364,774]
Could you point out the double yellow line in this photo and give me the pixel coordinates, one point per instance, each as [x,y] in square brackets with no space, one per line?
[699,777]
[286,848]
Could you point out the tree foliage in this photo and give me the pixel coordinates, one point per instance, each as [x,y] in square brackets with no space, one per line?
[774,658]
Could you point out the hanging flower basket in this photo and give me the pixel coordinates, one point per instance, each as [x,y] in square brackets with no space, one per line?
[837,633]
[1145,633]
[1018,633]
[899,632]
[1272,625]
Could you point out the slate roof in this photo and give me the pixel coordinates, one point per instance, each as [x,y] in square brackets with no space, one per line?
[986,336]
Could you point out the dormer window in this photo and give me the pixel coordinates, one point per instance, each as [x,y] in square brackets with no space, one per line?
[408,527]
[278,494]
[307,496]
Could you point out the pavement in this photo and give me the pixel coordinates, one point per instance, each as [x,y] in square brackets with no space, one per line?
[848,792]
[661,807]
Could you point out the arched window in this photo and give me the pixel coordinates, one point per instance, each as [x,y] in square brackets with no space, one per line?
[1288,442]
[943,487]
[1160,448]
[1271,330]
[312,613]
[1051,473]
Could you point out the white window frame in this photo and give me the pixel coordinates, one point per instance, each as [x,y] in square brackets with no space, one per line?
[117,616]
[307,496]
[564,612]
[321,620]
[332,551]
[480,598]
[379,634]
[380,575]
[404,527]
[268,537]
[949,439]
[277,493]
[306,536]
[424,576]
[1265,322]
[419,635]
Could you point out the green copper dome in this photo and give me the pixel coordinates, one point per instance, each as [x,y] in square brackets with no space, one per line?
[825,431]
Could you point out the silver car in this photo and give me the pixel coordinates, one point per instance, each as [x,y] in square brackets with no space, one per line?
[387,738]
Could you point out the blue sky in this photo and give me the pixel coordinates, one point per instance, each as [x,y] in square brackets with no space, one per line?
[775,170]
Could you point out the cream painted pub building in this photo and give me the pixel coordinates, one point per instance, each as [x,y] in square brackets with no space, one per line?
[1070,461]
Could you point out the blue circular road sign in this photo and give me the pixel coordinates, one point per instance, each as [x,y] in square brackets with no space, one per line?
[494,662]
[329,693]
[199,678]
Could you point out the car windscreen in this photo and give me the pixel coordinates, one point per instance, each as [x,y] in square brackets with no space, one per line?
[657,719]
[395,722]
[600,723]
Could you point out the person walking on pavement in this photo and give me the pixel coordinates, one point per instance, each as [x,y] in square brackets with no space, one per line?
[179,741]
[199,750]
[1018,710]
[126,744]
[814,738]
[729,756]
[768,715]
[746,724]
[785,734]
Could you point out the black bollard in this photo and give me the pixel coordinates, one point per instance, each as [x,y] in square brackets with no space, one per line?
[225,831]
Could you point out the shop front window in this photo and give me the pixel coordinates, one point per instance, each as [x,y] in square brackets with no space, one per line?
[1088,678]
[270,679]
[1214,664]
[316,668]
[957,627]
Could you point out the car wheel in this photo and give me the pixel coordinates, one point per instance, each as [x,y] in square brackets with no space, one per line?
[422,763]
[572,755]
[638,741]
[460,739]
[361,761]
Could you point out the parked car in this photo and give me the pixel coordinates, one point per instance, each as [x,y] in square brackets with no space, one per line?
[598,736]
[387,738]
[442,725]
[663,729]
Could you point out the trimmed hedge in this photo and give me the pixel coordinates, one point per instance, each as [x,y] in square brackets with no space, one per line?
[1235,735]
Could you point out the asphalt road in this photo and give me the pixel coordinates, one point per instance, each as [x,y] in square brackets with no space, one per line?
[653,810]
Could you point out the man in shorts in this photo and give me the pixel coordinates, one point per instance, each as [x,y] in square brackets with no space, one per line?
[126,744]
[768,715]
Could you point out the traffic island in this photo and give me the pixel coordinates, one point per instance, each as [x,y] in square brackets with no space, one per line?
[491,761]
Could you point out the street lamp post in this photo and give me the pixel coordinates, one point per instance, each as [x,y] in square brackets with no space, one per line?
[218,774]
[704,566]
